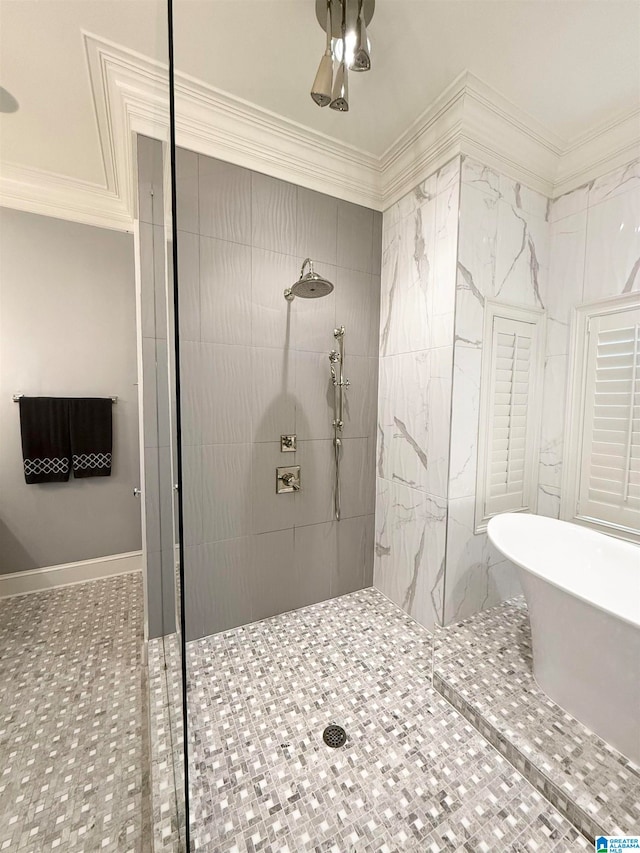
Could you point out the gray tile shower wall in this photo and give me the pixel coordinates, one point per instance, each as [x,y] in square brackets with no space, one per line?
[157,487]
[255,367]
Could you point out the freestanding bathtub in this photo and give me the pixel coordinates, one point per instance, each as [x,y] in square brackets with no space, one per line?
[583,594]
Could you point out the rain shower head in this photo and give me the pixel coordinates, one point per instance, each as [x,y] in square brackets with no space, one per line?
[310,285]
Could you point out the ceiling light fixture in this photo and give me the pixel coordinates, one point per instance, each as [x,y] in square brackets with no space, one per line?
[345,23]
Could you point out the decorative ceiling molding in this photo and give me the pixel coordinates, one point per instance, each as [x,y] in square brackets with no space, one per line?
[130,95]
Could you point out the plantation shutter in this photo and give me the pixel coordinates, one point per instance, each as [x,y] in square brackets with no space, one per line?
[609,472]
[510,435]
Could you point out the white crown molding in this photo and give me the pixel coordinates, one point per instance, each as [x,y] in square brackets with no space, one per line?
[130,95]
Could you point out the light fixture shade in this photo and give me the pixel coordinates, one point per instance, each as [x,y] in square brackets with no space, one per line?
[340,94]
[361,56]
[322,85]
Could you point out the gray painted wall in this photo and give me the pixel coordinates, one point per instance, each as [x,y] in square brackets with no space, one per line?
[68,328]
[254,367]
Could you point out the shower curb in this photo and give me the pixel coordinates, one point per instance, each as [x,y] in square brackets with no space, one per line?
[580,819]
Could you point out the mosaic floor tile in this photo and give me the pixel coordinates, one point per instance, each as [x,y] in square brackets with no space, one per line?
[414,775]
[71,722]
[486,661]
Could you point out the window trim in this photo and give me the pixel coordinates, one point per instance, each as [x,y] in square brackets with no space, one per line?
[524,314]
[574,416]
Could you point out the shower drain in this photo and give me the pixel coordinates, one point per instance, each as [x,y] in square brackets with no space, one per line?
[334,736]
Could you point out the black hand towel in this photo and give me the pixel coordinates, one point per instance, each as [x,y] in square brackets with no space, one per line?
[44,426]
[91,436]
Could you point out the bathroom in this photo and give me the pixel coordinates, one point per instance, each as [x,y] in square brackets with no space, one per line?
[364,573]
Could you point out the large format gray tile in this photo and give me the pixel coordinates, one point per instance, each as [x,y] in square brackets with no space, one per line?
[189,283]
[270,511]
[314,393]
[271,315]
[187,190]
[317,226]
[150,181]
[274,214]
[315,560]
[151,496]
[354,554]
[272,384]
[358,310]
[360,396]
[313,320]
[225,394]
[192,494]
[226,584]
[224,200]
[273,581]
[357,476]
[152,281]
[225,291]
[191,391]
[149,393]
[355,236]
[314,501]
[226,491]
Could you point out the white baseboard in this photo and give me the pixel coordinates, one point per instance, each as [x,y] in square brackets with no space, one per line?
[52,577]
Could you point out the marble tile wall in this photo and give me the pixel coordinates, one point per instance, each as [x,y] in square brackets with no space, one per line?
[254,367]
[414,400]
[517,246]
[503,254]
[595,254]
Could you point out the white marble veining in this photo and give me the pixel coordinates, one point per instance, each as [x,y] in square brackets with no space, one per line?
[623,180]
[522,256]
[465,413]
[419,239]
[612,265]
[477,576]
[413,419]
[562,290]
[477,242]
[416,335]
[553,416]
[410,550]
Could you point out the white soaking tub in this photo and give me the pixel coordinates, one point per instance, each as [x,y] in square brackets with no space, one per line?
[583,594]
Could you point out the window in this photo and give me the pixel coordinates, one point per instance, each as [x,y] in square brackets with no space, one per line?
[602,483]
[510,397]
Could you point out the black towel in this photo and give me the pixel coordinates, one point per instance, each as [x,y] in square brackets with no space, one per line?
[91,436]
[44,426]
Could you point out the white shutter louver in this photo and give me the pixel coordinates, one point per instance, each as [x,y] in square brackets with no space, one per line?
[509,423]
[609,470]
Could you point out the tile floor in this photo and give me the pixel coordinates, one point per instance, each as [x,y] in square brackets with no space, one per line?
[413,775]
[71,721]
[167,767]
[484,664]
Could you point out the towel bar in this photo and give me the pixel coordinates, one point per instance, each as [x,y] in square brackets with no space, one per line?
[16,398]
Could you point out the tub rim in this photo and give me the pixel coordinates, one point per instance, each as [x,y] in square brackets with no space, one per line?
[630,620]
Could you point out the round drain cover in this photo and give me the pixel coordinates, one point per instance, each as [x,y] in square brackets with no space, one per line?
[334,736]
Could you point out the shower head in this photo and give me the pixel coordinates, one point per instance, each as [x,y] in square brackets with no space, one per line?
[310,285]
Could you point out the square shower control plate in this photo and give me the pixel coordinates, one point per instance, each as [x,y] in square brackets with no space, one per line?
[288,443]
[287,480]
